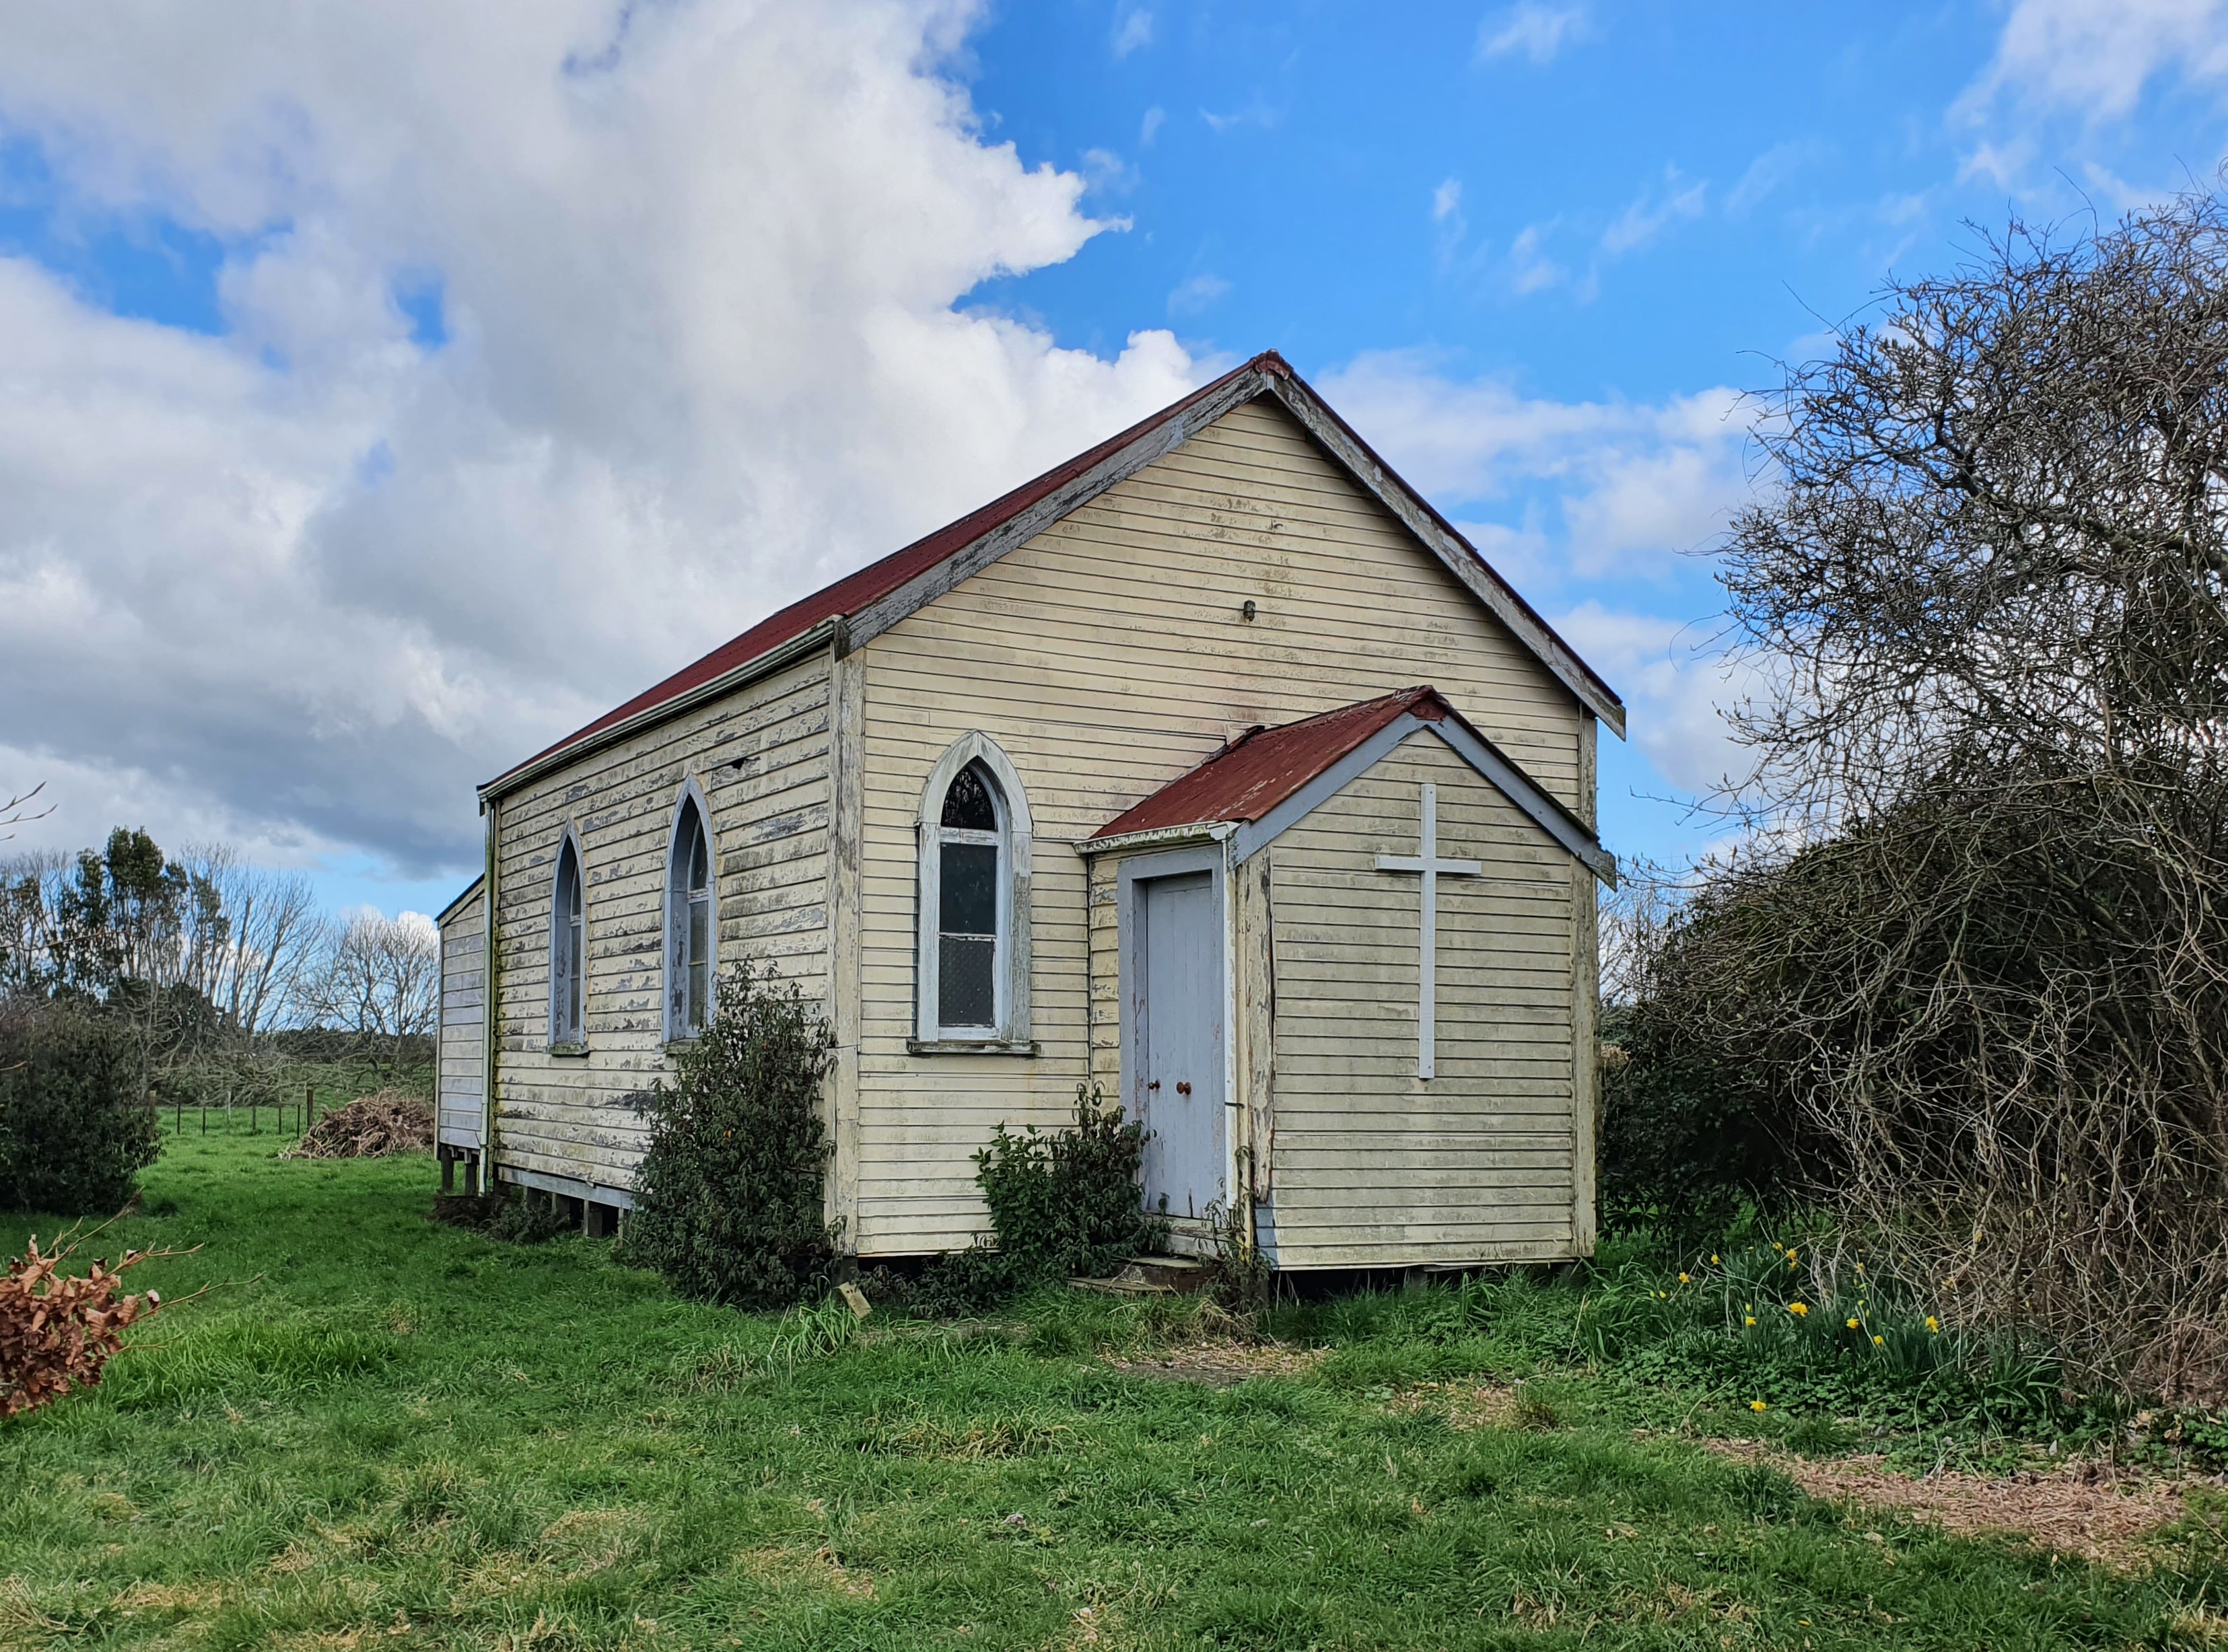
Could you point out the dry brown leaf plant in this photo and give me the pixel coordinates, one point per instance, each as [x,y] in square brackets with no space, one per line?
[58,1331]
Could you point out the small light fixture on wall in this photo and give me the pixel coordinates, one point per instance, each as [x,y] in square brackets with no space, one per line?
[1249,610]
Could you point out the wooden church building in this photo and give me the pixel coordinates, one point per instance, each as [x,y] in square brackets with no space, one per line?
[1212,767]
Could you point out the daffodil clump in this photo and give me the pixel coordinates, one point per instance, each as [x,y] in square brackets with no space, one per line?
[1808,1326]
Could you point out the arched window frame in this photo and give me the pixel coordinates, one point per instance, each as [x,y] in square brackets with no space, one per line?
[676,982]
[568,947]
[1017,835]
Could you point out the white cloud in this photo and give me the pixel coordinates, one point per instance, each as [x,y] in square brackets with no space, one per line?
[1195,293]
[1766,173]
[1539,31]
[1133,29]
[1149,128]
[1446,201]
[1530,269]
[301,584]
[1673,681]
[2094,57]
[1651,212]
[1107,173]
[1632,484]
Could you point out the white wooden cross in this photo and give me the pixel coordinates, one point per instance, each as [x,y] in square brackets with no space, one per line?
[1434,869]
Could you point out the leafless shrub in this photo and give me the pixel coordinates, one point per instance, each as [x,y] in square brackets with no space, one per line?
[1980,941]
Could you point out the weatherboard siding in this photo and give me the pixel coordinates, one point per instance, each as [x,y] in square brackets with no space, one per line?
[1373,1166]
[573,1115]
[1106,657]
[462,1056]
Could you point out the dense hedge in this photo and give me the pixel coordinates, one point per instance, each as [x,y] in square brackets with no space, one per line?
[75,1130]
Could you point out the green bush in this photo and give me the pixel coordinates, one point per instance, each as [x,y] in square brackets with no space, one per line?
[1068,1201]
[1689,1135]
[75,1130]
[729,1198]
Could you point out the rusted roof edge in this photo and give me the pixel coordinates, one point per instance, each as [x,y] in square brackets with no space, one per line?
[823,634]
[1499,769]
[1164,437]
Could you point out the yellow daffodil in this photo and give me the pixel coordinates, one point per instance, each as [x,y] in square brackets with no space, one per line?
[1686,1278]
[1879,1342]
[1714,1259]
[1750,1320]
[1932,1323]
[1800,1309]
[1860,1267]
[1757,1405]
[1853,1325]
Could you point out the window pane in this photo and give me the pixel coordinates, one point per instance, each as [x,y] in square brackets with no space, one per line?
[700,962]
[969,899]
[700,866]
[575,970]
[965,993]
[967,803]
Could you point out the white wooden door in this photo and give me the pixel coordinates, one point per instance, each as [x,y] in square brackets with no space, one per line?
[1181,1007]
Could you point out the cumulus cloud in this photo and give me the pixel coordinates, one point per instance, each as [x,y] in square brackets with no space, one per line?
[1627,485]
[699,348]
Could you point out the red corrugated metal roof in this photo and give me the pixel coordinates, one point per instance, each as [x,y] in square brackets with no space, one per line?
[1246,779]
[878,579]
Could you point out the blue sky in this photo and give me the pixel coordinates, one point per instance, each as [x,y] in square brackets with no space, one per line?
[397,389]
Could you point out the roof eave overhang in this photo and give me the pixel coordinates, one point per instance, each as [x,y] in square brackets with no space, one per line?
[1168,836]
[1499,769]
[470,889]
[824,634]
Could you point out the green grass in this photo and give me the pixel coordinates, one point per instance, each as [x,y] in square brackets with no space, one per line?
[375,1431]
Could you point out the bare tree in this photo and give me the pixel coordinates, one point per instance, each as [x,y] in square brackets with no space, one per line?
[267,932]
[1979,943]
[380,979]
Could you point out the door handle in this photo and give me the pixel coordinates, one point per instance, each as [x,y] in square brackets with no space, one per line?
[1155,1085]
[1184,1089]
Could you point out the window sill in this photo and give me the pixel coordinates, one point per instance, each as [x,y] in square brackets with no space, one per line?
[970,1047]
[578,1047]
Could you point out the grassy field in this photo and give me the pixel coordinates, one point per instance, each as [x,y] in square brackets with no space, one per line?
[376,1431]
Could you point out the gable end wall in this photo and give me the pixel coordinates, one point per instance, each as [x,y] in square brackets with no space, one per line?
[1107,656]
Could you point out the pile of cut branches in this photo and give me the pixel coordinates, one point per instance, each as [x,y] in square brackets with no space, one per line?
[371,1126]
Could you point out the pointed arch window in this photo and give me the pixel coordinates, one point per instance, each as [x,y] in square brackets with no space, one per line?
[568,952]
[971,860]
[691,905]
[973,962]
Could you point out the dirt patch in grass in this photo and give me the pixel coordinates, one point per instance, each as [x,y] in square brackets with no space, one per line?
[2091,1509]
[1218,1364]
[1460,1405]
